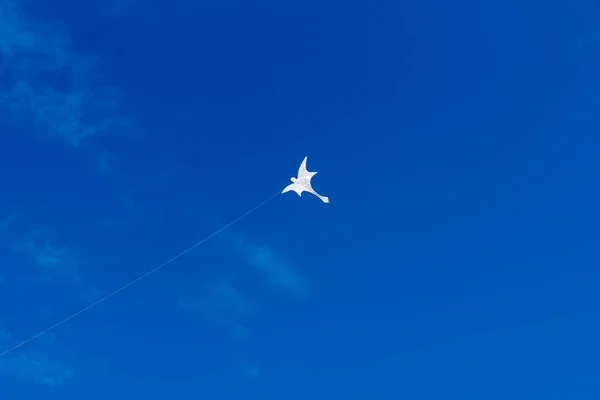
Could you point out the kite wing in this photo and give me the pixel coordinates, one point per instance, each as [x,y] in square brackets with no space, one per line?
[293,187]
[304,175]
[302,170]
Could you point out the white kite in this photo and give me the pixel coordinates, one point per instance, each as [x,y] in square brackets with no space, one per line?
[302,183]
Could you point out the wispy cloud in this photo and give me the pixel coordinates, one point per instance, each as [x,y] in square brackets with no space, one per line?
[106,162]
[225,298]
[40,370]
[278,272]
[7,219]
[51,89]
[252,371]
[34,366]
[225,304]
[54,262]
[221,303]
[56,265]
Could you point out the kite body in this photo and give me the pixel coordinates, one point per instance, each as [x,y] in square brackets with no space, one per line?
[302,183]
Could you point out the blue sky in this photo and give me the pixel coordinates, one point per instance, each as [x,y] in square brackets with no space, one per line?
[457,142]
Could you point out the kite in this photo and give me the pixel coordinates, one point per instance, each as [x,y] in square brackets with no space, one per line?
[299,185]
[302,183]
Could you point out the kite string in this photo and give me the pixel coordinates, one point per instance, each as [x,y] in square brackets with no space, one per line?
[139,278]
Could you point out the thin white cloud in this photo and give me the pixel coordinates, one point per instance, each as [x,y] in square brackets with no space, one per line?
[36,56]
[279,272]
[106,162]
[227,299]
[54,262]
[4,337]
[33,365]
[56,265]
[220,303]
[7,219]
[40,370]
